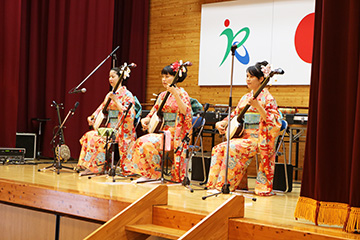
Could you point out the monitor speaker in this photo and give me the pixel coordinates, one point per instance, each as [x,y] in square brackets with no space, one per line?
[27,141]
[279,177]
[197,172]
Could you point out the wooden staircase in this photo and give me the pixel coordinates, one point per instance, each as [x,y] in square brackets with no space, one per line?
[151,216]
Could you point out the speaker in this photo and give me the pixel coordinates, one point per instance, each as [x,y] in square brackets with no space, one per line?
[27,141]
[279,177]
[197,172]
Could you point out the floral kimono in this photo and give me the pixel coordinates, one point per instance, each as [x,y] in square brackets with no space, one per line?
[258,137]
[144,157]
[92,155]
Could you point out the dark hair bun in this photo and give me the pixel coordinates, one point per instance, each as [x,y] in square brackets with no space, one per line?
[169,70]
[258,65]
[256,69]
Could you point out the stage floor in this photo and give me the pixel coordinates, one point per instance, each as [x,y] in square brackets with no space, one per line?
[276,211]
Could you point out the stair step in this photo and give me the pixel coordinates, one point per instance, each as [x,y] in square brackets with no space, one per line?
[156,230]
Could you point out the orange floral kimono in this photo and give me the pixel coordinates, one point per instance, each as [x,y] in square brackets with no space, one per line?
[259,137]
[144,157]
[92,155]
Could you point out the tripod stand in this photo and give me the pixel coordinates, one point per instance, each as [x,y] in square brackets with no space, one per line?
[61,151]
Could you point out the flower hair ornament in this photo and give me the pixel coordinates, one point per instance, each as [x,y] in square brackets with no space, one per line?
[176,66]
[266,70]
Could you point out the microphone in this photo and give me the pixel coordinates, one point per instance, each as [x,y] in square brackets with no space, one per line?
[83,90]
[73,110]
[233,49]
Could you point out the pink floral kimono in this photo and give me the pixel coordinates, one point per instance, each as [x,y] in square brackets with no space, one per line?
[259,137]
[144,157]
[92,155]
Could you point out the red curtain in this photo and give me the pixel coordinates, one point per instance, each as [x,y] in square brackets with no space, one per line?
[59,44]
[131,24]
[330,184]
[10,22]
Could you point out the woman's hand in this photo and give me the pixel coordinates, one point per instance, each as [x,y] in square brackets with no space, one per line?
[255,104]
[91,120]
[173,90]
[221,127]
[112,96]
[176,92]
[145,123]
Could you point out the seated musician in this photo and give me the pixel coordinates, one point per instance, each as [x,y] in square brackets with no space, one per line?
[261,127]
[92,156]
[144,157]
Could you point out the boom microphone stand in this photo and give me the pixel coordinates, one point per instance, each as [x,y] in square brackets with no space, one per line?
[225,188]
[83,90]
[57,148]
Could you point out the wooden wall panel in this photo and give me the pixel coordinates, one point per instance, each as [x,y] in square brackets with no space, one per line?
[71,228]
[174,34]
[18,223]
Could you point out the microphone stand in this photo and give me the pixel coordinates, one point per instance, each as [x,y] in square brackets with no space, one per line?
[73,90]
[226,187]
[59,133]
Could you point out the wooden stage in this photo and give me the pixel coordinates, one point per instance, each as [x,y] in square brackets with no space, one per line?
[41,205]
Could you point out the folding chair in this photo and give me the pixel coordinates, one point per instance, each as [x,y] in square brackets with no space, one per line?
[198,126]
[283,171]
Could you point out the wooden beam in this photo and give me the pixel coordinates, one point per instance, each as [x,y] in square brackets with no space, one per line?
[215,225]
[244,230]
[100,208]
[139,212]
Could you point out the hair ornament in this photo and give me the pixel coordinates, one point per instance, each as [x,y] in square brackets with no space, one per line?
[266,70]
[124,68]
[175,66]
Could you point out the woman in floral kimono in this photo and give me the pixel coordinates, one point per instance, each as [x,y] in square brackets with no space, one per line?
[92,156]
[144,157]
[261,128]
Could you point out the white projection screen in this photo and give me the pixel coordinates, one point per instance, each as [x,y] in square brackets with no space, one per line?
[280,32]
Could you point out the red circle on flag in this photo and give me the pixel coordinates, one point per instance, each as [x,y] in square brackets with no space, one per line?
[304,37]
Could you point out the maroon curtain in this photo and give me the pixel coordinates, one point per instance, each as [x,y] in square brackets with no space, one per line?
[131,24]
[10,21]
[330,184]
[59,44]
